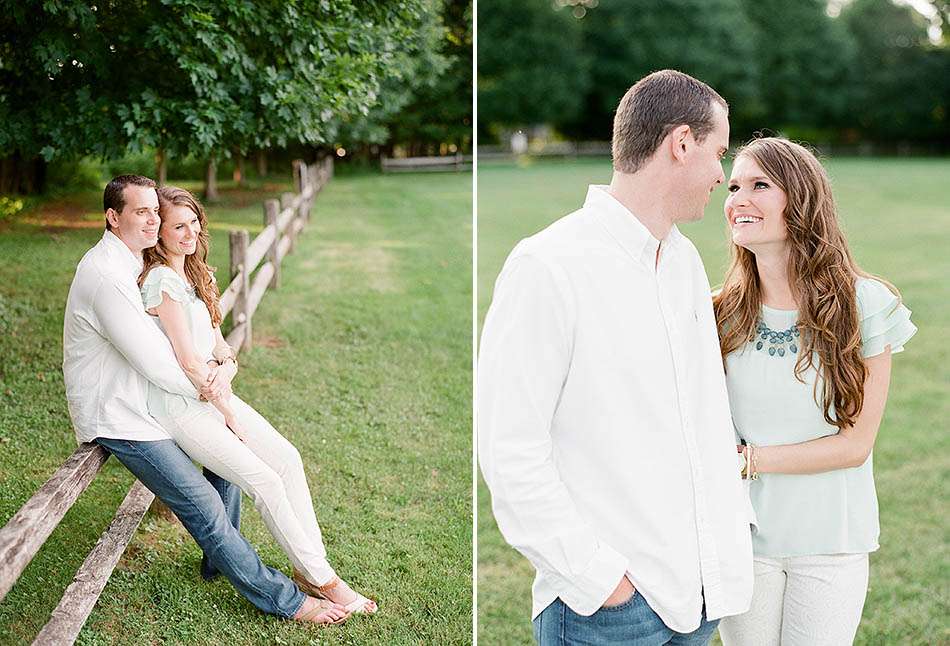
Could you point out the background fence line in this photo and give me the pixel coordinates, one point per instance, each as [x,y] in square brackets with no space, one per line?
[457,162]
[572,149]
[25,533]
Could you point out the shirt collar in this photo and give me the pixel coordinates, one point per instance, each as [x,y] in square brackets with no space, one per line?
[626,228]
[123,255]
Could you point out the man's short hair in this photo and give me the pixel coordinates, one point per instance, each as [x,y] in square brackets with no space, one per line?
[656,104]
[114,195]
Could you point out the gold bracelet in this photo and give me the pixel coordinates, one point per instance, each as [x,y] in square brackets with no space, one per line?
[754,469]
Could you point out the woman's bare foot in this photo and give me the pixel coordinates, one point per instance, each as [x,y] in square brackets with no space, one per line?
[321,611]
[338,591]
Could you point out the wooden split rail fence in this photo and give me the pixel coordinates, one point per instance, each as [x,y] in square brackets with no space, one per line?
[426,164]
[24,534]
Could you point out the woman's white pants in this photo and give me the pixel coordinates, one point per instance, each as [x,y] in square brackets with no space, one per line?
[267,468]
[802,601]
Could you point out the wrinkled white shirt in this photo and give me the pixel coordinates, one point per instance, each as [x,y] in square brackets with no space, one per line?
[604,429]
[111,350]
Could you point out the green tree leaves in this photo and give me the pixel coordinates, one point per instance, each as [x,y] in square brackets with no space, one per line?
[199,77]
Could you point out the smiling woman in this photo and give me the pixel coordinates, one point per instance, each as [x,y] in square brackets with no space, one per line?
[223,433]
[812,412]
[754,199]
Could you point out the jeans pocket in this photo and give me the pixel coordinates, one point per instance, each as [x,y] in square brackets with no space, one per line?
[623,605]
[623,623]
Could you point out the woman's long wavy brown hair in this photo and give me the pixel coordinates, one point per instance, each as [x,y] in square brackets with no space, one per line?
[822,274]
[199,272]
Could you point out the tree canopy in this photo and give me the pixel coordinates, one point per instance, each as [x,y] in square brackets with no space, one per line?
[202,78]
[441,109]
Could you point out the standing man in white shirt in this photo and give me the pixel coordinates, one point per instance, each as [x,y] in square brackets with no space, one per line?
[604,430]
[110,351]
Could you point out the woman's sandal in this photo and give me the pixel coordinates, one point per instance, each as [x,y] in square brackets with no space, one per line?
[320,606]
[358,605]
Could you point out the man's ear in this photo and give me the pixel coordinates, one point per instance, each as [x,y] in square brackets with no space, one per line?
[678,140]
[112,218]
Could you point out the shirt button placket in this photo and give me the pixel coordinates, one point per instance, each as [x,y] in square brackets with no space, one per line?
[708,561]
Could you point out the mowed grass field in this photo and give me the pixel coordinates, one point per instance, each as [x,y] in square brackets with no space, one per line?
[897,218]
[362,359]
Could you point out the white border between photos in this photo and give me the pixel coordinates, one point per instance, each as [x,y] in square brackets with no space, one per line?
[474,322]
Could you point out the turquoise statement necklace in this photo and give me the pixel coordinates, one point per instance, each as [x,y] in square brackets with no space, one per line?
[776,343]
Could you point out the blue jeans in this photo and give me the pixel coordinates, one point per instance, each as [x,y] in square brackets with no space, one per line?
[231,497]
[203,505]
[632,622]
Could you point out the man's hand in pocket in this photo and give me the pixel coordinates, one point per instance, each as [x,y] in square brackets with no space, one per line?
[621,593]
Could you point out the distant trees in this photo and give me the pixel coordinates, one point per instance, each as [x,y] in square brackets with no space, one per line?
[532,66]
[710,39]
[198,77]
[803,63]
[440,111]
[904,93]
[870,73]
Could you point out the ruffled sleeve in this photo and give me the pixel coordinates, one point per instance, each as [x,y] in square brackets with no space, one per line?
[163,280]
[884,320]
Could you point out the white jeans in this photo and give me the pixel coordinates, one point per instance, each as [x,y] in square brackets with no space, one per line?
[267,468]
[802,601]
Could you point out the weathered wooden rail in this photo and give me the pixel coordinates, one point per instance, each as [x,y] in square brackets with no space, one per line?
[26,532]
[426,164]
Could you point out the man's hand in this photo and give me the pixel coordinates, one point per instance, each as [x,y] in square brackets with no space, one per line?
[622,593]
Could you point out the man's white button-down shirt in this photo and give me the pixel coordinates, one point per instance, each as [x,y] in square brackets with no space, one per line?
[604,430]
[111,349]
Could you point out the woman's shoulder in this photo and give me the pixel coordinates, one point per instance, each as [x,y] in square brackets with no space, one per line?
[159,273]
[163,280]
[884,319]
[873,295]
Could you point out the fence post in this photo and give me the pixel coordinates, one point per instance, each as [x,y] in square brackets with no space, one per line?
[300,172]
[286,199]
[313,181]
[301,182]
[239,242]
[271,211]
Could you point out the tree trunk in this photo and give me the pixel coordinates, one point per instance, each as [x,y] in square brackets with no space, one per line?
[261,163]
[211,181]
[161,166]
[22,176]
[238,174]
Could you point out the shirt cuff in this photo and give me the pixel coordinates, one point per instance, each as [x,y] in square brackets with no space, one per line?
[588,591]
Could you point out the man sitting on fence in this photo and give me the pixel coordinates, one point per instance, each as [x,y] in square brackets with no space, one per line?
[110,351]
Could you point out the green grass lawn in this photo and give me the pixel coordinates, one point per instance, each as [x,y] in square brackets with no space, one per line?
[897,218]
[362,359]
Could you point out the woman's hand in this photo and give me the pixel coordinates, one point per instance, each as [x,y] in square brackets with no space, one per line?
[236,428]
[204,387]
[220,382]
